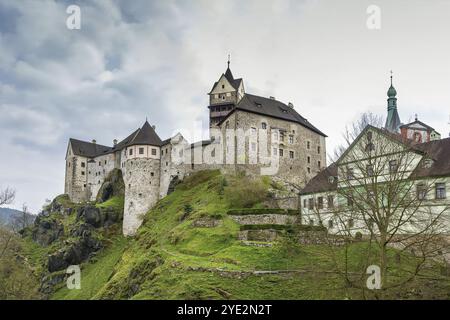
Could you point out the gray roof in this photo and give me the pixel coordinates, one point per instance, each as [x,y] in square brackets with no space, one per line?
[321,182]
[272,108]
[146,135]
[87,149]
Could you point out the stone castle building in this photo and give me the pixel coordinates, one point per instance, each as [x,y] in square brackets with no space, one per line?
[257,135]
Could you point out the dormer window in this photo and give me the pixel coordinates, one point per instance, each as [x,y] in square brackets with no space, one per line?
[263,126]
[427,163]
[331,180]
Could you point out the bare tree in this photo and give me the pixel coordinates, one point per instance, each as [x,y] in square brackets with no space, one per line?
[22,220]
[7,196]
[379,197]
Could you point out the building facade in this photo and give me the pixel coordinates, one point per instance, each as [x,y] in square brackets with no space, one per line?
[257,135]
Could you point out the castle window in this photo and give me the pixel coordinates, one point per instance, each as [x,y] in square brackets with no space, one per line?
[281,152]
[308,145]
[291,139]
[291,154]
[440,191]
[264,126]
[83,165]
[105,161]
[162,152]
[308,169]
[318,150]
[99,163]
[154,152]
[152,174]
[319,164]
[141,150]
[282,136]
[68,164]
[309,159]
[130,152]
[167,163]
[84,185]
[82,173]
[223,86]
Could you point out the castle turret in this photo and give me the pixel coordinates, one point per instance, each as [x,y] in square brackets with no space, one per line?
[141,168]
[393,120]
[224,96]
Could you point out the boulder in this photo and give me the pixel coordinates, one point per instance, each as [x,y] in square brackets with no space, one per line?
[46,230]
[91,215]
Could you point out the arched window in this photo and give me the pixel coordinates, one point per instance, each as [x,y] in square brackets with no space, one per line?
[264,126]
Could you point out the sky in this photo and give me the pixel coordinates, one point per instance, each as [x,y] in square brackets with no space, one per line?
[158,59]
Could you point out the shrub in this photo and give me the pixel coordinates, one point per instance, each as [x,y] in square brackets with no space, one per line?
[245,192]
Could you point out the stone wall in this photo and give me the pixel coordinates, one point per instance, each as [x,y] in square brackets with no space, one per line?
[258,235]
[97,170]
[76,178]
[281,219]
[141,179]
[259,153]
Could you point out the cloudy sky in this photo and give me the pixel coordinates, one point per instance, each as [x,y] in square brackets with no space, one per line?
[158,59]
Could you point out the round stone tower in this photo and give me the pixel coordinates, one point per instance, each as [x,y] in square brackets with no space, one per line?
[141,172]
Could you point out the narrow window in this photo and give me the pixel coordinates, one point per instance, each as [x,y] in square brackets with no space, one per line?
[309,159]
[82,173]
[281,152]
[318,150]
[309,169]
[320,203]
[319,164]
[131,152]
[311,203]
[141,150]
[152,174]
[421,191]
[350,174]
[308,145]
[393,166]
[330,201]
[154,151]
[83,165]
[291,154]
[440,191]
[263,126]
[291,139]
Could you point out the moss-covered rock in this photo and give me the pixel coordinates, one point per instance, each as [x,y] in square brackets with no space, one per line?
[112,187]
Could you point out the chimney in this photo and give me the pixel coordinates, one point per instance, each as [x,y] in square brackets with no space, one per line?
[271,97]
[290,105]
[154,127]
[115,142]
[94,141]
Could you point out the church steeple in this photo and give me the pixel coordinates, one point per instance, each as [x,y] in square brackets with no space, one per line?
[393,120]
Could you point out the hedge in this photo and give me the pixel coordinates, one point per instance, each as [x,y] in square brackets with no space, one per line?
[243,212]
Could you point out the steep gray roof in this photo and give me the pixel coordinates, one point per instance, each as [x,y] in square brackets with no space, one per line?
[439,152]
[272,108]
[146,135]
[87,149]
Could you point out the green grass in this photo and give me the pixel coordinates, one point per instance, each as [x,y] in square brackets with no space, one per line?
[171,259]
[95,274]
[116,202]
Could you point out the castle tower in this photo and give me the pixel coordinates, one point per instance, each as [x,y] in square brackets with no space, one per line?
[141,166]
[393,120]
[224,96]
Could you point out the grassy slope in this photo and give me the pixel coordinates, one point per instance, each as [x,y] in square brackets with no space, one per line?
[163,261]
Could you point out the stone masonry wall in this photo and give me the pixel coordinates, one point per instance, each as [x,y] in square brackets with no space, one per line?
[141,177]
[281,219]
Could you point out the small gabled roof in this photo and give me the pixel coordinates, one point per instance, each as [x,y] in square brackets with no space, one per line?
[271,108]
[439,152]
[87,149]
[235,83]
[321,182]
[145,135]
[417,122]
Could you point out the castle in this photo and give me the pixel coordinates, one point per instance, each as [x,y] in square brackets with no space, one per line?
[250,133]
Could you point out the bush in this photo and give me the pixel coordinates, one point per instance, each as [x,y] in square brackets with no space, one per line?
[245,192]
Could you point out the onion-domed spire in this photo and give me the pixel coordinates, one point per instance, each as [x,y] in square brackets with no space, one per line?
[393,120]
[391,92]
